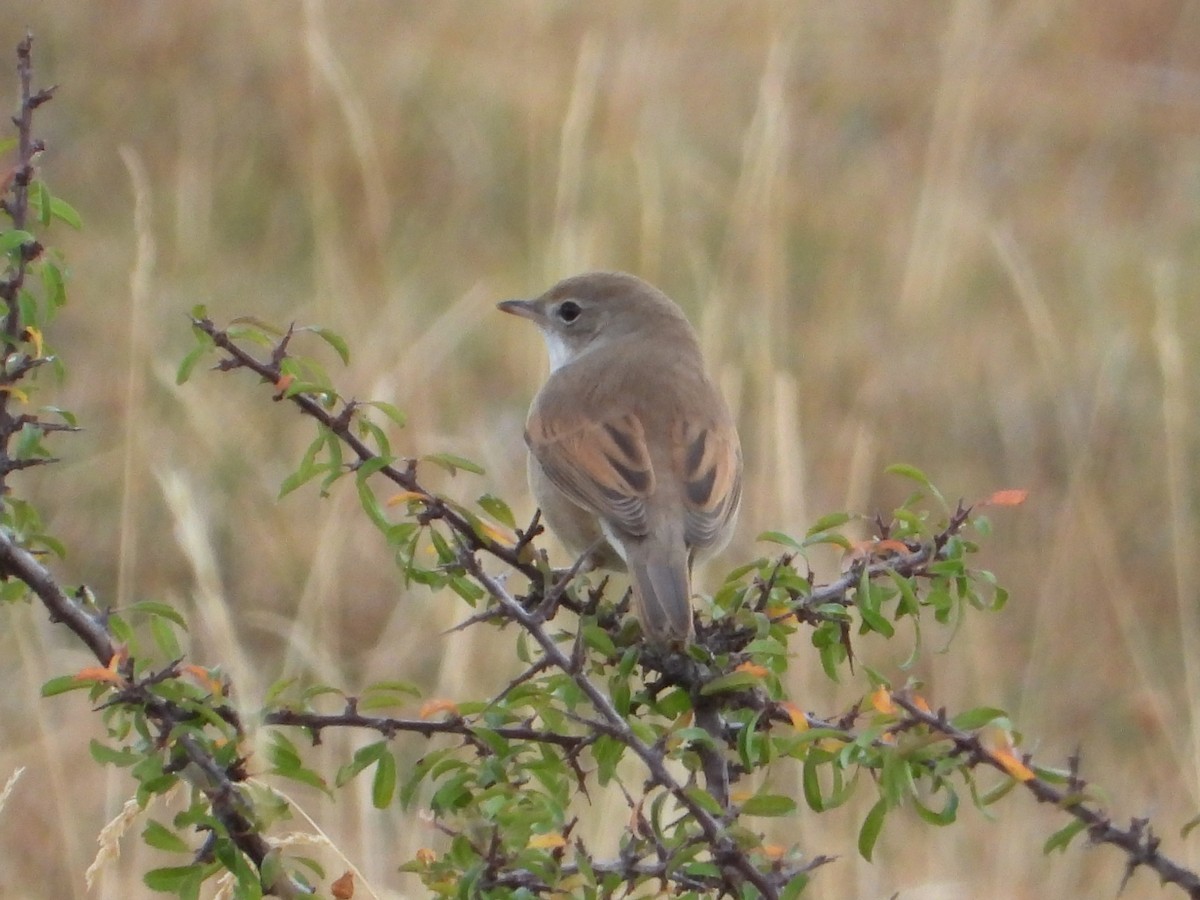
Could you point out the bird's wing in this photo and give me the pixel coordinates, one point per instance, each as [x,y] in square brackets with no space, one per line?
[603,466]
[709,461]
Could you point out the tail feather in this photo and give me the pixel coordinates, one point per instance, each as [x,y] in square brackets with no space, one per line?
[662,596]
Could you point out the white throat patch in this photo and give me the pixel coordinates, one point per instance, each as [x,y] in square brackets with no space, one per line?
[559,351]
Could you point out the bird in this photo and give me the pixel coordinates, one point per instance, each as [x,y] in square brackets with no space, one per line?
[634,457]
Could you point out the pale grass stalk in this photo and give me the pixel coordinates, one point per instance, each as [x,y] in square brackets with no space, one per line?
[315,838]
[37,663]
[425,357]
[192,535]
[1179,430]
[355,112]
[138,351]
[10,786]
[937,221]
[752,274]
[110,837]
[565,250]
[652,221]
[1082,522]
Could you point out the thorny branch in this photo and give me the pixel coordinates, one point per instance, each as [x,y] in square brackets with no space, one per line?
[77,613]
[1138,841]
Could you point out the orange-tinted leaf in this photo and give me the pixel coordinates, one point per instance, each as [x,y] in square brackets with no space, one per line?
[109,673]
[425,856]
[919,702]
[404,497]
[205,679]
[1013,497]
[1014,766]
[796,714]
[284,382]
[34,335]
[881,699]
[773,851]
[547,841]
[781,612]
[890,544]
[858,550]
[343,888]
[497,533]
[431,708]
[754,669]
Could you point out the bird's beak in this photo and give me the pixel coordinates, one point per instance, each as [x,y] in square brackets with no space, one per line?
[526,309]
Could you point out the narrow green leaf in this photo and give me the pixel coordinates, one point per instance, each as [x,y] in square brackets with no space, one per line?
[390,410]
[731,681]
[11,240]
[163,610]
[812,784]
[869,833]
[39,198]
[173,879]
[826,522]
[160,837]
[778,537]
[383,787]
[498,510]
[769,805]
[113,756]
[62,684]
[452,463]
[705,801]
[1062,838]
[188,363]
[66,213]
[164,637]
[336,341]
[972,719]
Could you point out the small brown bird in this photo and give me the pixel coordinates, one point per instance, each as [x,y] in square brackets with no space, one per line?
[633,454]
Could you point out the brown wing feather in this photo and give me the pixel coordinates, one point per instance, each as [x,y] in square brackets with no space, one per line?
[603,466]
[709,461]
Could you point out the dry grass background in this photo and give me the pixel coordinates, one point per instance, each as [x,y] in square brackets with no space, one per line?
[960,235]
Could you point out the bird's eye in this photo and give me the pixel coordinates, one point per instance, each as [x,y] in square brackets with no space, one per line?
[569,311]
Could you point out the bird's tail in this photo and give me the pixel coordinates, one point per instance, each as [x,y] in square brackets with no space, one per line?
[662,592]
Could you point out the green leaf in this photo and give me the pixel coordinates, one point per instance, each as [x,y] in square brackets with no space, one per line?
[1189,826]
[164,637]
[498,510]
[53,285]
[188,363]
[946,815]
[812,784]
[39,199]
[336,341]
[705,801]
[1061,838]
[62,684]
[390,410]
[778,537]
[161,610]
[11,240]
[383,787]
[769,805]
[826,522]
[731,681]
[972,719]
[65,212]
[114,756]
[452,463]
[173,879]
[871,826]
[160,837]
